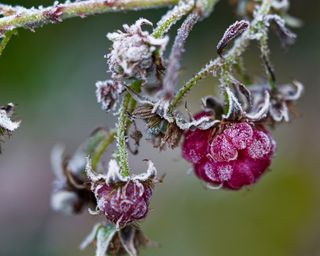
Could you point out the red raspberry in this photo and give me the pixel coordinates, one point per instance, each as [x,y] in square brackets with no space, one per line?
[124,204]
[235,157]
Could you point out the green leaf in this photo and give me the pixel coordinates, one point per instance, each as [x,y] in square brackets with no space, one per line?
[104,237]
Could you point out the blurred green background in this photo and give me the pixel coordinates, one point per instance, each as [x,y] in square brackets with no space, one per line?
[51,74]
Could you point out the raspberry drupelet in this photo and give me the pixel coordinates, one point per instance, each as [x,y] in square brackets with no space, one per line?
[232,155]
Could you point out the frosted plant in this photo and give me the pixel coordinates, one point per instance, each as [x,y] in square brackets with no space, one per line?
[7,126]
[228,143]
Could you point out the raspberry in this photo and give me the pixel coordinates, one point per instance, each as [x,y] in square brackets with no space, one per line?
[124,204]
[235,157]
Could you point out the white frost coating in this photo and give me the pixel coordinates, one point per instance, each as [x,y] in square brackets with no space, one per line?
[150,174]
[225,172]
[94,177]
[234,104]
[6,123]
[91,237]
[57,158]
[127,241]
[64,201]
[212,187]
[175,14]
[288,94]
[206,6]
[114,173]
[280,113]
[202,123]
[260,146]
[263,111]
[132,50]
[282,5]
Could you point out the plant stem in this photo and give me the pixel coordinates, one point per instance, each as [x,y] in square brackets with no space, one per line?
[219,65]
[172,16]
[181,93]
[171,78]
[102,148]
[127,105]
[33,18]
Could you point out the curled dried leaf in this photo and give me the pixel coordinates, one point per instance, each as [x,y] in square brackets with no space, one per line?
[232,32]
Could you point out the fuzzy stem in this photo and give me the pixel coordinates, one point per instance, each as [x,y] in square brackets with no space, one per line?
[33,18]
[172,17]
[229,59]
[127,105]
[171,79]
[181,93]
[102,148]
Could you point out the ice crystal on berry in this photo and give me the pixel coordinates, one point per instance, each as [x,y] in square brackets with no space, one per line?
[232,156]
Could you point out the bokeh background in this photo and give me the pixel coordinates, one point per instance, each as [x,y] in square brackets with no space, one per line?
[51,74]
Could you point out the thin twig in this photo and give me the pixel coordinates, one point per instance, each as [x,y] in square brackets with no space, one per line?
[171,79]
[37,17]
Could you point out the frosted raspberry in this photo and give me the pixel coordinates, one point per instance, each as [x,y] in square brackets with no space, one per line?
[260,146]
[124,204]
[240,134]
[237,156]
[195,144]
[222,149]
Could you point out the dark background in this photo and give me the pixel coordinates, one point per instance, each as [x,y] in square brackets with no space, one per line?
[51,74]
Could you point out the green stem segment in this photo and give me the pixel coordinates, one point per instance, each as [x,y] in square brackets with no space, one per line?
[181,93]
[33,18]
[127,106]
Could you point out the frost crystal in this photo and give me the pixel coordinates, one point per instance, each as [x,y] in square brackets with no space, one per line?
[6,124]
[132,54]
[108,92]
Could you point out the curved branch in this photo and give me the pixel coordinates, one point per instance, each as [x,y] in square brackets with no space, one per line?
[37,17]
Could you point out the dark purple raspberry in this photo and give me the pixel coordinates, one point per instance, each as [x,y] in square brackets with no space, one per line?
[235,156]
[126,203]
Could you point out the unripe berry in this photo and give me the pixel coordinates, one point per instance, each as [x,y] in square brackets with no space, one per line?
[124,204]
[233,155]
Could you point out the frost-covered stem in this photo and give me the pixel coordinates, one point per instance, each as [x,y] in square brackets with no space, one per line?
[172,17]
[5,40]
[181,93]
[37,17]
[127,106]
[265,56]
[229,59]
[171,79]
[102,148]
